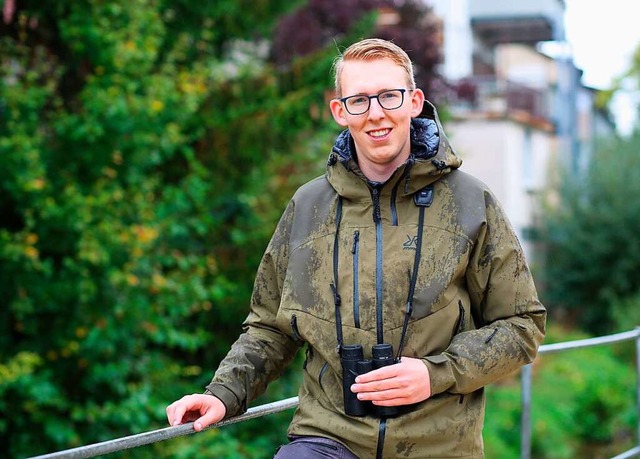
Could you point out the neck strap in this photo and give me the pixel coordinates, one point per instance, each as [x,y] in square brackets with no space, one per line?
[422,199]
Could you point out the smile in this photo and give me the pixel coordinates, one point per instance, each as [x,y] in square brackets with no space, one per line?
[379,133]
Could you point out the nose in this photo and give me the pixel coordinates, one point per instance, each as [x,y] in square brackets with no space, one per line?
[375,109]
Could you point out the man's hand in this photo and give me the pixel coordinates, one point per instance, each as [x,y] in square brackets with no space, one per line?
[201,408]
[403,383]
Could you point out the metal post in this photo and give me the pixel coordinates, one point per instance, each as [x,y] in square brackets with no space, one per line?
[638,383]
[525,416]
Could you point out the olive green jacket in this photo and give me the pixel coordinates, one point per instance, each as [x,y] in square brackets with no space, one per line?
[475,314]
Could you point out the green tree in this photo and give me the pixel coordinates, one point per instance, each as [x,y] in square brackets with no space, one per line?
[134,136]
[592,236]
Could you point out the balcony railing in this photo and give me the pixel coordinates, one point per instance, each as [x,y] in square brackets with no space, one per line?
[134,441]
[491,96]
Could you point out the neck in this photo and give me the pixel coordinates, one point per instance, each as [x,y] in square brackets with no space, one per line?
[377,173]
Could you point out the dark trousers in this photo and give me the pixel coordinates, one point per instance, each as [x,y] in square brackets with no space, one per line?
[313,448]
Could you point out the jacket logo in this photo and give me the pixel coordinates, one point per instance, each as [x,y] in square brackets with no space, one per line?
[411,243]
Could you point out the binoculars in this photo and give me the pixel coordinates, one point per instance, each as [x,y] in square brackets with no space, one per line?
[354,364]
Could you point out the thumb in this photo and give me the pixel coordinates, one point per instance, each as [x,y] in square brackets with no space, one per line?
[204,421]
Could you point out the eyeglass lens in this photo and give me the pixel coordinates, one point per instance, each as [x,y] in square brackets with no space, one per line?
[389,100]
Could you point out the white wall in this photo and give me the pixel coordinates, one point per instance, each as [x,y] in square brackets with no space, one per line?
[511,158]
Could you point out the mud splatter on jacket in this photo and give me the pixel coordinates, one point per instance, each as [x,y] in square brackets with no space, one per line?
[475,313]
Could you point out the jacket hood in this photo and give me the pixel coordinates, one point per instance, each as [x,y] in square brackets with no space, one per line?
[431,157]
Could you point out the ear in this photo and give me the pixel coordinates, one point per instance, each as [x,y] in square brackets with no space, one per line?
[417,102]
[338,112]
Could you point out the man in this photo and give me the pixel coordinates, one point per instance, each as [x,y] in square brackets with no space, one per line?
[393,245]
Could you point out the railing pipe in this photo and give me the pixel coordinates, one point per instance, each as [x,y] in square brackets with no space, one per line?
[638,386]
[526,376]
[133,441]
[635,452]
[577,344]
[525,420]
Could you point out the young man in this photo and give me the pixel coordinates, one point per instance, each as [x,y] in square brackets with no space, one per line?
[392,246]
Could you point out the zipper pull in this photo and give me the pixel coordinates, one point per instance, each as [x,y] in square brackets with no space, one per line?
[356,238]
[376,205]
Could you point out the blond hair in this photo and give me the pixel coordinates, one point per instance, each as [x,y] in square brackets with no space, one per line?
[372,49]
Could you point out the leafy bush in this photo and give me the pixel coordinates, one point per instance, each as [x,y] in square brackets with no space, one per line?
[583,404]
[591,228]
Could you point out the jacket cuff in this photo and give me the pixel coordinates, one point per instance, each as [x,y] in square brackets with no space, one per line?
[228,398]
[440,374]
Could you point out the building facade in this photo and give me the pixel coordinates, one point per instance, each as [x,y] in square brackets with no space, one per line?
[515,113]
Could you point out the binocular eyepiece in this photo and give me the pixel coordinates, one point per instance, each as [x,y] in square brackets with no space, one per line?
[354,364]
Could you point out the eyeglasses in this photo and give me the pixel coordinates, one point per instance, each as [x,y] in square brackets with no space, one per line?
[360,103]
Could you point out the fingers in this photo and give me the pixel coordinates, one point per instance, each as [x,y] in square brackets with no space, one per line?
[204,409]
[176,412]
[403,383]
[380,374]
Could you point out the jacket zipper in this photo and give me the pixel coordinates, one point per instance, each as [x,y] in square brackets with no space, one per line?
[377,219]
[394,210]
[382,430]
[356,292]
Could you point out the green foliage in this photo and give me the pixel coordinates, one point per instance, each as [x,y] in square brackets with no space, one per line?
[136,140]
[583,405]
[626,312]
[592,236]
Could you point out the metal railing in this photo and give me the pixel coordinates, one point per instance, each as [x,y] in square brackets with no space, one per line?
[526,374]
[134,441]
[153,436]
[498,96]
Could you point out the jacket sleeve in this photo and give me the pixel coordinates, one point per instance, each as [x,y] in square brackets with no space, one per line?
[262,351]
[509,318]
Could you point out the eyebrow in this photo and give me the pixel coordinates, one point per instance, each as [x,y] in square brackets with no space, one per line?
[366,94]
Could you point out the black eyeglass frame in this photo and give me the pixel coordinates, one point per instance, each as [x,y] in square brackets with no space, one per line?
[376,96]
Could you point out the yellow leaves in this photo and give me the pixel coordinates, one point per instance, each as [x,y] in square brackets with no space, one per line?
[158,282]
[124,237]
[22,364]
[36,184]
[110,172]
[92,250]
[70,349]
[116,157]
[157,105]
[31,252]
[132,279]
[81,332]
[21,246]
[30,239]
[191,370]
[145,234]
[190,83]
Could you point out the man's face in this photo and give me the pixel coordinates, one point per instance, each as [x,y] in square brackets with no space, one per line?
[381,136]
